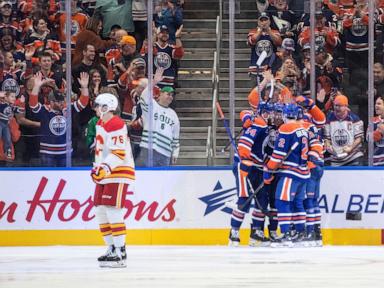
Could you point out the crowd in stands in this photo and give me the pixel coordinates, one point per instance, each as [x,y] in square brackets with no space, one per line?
[110,54]
[341,57]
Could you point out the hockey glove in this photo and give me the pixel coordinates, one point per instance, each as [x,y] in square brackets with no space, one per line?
[305,102]
[246,119]
[246,166]
[317,172]
[100,172]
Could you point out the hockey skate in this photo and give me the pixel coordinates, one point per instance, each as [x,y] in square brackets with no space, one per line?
[284,241]
[103,258]
[273,235]
[318,237]
[113,258]
[299,239]
[258,238]
[234,238]
[8,155]
[310,240]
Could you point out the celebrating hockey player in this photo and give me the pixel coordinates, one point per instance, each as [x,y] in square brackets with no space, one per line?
[113,172]
[290,155]
[314,120]
[247,172]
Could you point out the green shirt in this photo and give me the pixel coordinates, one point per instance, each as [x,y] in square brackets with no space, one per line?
[113,13]
[90,132]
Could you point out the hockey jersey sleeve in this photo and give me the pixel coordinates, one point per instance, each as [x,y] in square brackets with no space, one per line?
[35,106]
[175,145]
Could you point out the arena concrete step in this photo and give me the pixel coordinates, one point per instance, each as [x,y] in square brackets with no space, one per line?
[240,43]
[194,95]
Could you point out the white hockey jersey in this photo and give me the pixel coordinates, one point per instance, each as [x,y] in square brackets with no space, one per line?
[166,127]
[113,149]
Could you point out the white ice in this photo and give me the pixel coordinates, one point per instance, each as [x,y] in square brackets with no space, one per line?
[194,266]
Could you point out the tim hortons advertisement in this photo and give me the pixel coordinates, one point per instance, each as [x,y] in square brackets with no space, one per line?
[61,200]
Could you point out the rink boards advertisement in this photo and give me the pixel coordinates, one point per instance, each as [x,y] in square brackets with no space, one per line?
[40,207]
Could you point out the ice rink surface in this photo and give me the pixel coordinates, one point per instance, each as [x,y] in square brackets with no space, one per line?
[194,266]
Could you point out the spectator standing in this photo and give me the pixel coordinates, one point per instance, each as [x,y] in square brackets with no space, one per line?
[79,21]
[120,59]
[53,123]
[343,133]
[91,35]
[325,36]
[87,64]
[355,30]
[7,111]
[165,55]
[8,44]
[7,19]
[263,38]
[52,73]
[131,84]
[118,12]
[11,75]
[282,19]
[127,83]
[42,39]
[29,144]
[170,15]
[166,128]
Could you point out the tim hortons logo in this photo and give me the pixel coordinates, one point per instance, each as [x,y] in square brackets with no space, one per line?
[68,209]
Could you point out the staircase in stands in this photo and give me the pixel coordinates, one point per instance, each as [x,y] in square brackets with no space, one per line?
[194,95]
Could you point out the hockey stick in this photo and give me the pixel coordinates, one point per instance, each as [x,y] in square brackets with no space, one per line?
[260,61]
[253,196]
[229,142]
[227,129]
[257,190]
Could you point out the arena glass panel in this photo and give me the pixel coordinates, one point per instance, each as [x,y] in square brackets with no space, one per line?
[342,44]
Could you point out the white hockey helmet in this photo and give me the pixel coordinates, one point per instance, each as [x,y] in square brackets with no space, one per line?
[106,102]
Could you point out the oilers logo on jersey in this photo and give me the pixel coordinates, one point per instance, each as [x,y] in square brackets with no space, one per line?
[340,137]
[320,41]
[58,125]
[264,45]
[11,85]
[358,27]
[75,28]
[163,60]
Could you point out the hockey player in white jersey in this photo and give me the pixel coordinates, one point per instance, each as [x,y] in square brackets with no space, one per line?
[113,172]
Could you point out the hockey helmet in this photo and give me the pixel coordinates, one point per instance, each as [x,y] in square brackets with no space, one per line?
[106,102]
[264,107]
[292,111]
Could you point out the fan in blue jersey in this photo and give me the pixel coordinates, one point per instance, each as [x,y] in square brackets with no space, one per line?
[53,121]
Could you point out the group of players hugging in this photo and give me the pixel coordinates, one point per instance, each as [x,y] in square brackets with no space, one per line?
[278,167]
